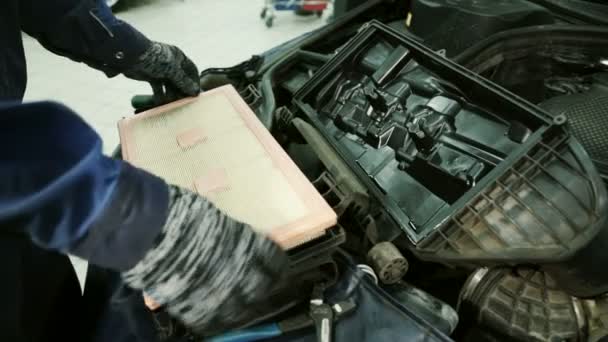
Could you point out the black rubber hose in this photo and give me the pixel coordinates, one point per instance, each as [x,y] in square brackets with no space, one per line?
[270,104]
[314,56]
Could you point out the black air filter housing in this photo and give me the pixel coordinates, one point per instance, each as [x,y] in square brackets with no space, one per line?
[470,173]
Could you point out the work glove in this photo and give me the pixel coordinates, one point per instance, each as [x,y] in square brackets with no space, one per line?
[206,269]
[169,71]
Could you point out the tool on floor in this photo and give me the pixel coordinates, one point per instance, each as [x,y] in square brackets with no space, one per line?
[299,6]
[321,315]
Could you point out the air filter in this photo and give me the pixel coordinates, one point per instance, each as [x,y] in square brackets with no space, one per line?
[215,145]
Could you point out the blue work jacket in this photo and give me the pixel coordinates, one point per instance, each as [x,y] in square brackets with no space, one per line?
[58,190]
[56,187]
[83,30]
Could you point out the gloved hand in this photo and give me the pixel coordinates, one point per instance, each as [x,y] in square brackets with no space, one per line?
[170,72]
[205,268]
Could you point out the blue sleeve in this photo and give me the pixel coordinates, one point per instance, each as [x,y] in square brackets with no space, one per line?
[58,187]
[85,31]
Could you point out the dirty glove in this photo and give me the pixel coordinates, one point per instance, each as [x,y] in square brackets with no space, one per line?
[170,72]
[205,268]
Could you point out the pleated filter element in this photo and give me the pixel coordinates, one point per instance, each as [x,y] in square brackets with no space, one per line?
[215,145]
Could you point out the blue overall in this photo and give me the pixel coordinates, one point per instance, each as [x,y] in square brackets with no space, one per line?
[56,187]
[83,30]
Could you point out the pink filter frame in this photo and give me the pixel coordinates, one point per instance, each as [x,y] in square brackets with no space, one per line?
[319,215]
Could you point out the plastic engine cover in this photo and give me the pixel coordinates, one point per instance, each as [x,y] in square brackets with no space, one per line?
[465,22]
[471,174]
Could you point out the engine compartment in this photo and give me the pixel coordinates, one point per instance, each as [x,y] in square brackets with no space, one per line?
[561,68]
[407,132]
[555,61]
[464,178]
[469,174]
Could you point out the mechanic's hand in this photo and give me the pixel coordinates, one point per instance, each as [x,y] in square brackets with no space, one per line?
[170,72]
[207,270]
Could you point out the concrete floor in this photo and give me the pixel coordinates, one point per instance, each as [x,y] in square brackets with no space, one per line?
[212,33]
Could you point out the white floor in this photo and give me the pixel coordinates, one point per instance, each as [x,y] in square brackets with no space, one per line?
[213,33]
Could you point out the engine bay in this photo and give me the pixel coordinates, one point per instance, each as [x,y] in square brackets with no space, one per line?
[408,130]
[562,69]
[492,201]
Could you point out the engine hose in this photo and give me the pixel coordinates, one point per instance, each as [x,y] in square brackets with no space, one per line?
[269,105]
[314,56]
[525,304]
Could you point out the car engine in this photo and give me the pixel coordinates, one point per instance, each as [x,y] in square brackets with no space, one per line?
[441,177]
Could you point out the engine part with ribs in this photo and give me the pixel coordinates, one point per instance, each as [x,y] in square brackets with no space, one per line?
[596,311]
[339,178]
[344,192]
[586,111]
[471,174]
[524,304]
[563,69]
[527,305]
[388,262]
